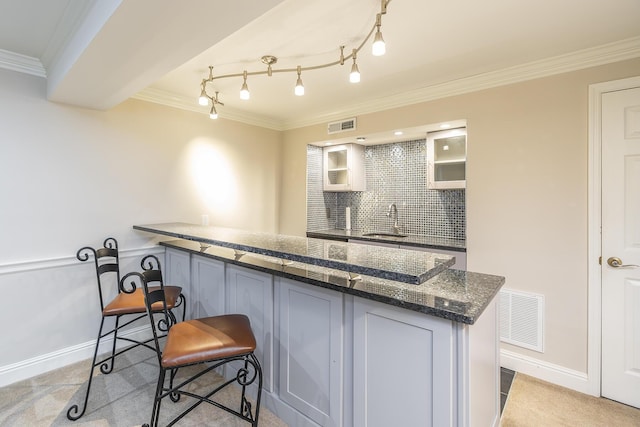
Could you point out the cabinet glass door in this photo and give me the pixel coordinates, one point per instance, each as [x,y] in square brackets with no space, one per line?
[446,158]
[337,170]
[449,158]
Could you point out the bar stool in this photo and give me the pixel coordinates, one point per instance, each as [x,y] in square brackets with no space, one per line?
[211,342]
[127,302]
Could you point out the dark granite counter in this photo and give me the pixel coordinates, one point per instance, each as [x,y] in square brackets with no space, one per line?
[456,295]
[408,266]
[429,242]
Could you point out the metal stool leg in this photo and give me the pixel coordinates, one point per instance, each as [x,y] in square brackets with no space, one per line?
[72,412]
[155,412]
[258,369]
[108,368]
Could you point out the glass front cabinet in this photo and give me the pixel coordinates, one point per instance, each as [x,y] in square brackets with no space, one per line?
[446,159]
[343,168]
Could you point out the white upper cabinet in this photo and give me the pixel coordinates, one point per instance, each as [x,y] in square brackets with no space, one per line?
[446,159]
[343,168]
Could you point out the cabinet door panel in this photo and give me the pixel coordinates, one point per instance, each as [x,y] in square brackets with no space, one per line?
[343,168]
[177,272]
[251,293]
[208,278]
[311,351]
[402,366]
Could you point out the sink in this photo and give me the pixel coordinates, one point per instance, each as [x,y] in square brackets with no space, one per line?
[383,234]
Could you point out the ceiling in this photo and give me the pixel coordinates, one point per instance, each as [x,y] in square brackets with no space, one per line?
[98,54]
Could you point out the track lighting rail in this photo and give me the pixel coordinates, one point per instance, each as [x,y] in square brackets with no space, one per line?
[378,49]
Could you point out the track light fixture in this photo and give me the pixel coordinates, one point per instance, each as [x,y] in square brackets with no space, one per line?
[244,90]
[203,99]
[299,90]
[354,76]
[213,113]
[378,48]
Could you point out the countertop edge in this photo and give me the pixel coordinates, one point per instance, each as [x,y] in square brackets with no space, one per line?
[279,270]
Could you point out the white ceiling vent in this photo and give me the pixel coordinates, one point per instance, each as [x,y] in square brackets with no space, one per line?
[341,126]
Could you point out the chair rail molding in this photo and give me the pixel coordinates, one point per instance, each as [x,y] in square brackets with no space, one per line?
[45,263]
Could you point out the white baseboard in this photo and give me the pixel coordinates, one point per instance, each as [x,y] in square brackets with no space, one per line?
[555,374]
[24,369]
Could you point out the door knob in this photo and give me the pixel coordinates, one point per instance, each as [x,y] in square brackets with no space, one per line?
[616,262]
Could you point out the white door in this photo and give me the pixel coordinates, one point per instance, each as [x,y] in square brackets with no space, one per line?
[621,246]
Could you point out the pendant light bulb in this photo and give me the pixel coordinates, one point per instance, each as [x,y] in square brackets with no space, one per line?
[213,114]
[378,48]
[354,76]
[299,89]
[244,91]
[203,99]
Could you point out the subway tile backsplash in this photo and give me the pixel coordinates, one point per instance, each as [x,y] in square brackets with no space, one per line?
[395,173]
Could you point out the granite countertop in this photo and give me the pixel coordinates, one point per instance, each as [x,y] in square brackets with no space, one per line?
[408,266]
[455,295]
[429,242]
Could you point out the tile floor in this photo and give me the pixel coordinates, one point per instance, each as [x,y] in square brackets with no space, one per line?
[506,378]
[122,398]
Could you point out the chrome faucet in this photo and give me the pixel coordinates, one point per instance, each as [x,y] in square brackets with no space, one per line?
[393,213]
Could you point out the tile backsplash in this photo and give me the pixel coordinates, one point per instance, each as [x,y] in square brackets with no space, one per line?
[395,173]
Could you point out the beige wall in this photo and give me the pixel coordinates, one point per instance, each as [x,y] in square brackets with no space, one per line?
[526,190]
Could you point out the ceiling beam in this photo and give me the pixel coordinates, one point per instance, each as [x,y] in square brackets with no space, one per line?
[121,47]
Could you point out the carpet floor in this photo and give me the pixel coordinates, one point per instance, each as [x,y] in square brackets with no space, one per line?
[533,403]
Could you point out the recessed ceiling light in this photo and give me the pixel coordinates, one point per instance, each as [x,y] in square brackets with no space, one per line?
[445,126]
[398,133]
[361,139]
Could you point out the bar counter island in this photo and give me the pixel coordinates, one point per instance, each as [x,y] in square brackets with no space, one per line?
[348,334]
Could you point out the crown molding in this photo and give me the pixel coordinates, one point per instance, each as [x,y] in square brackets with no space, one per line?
[592,57]
[185,103]
[21,63]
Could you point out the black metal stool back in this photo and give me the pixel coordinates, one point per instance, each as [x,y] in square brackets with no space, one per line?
[106,260]
[152,275]
[126,301]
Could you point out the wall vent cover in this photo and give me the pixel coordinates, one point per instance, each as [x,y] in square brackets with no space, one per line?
[522,319]
[341,126]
